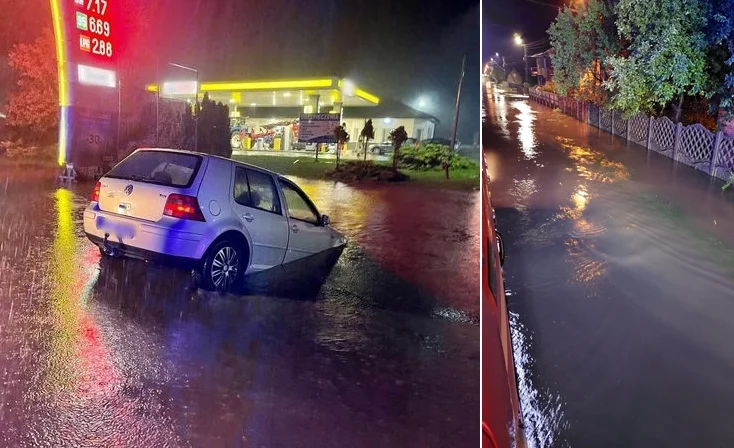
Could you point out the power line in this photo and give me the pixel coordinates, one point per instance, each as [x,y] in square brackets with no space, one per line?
[537,2]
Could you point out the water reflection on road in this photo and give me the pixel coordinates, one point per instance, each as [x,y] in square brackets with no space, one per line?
[367,350]
[620,266]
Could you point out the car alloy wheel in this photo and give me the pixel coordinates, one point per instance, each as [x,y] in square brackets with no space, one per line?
[225,268]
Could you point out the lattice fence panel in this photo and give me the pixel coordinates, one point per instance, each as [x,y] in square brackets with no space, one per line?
[620,124]
[724,163]
[638,129]
[605,121]
[663,135]
[594,115]
[696,147]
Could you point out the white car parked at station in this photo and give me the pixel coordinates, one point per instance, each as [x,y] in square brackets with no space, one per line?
[221,217]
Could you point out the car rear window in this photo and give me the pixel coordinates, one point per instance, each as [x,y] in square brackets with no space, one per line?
[173,169]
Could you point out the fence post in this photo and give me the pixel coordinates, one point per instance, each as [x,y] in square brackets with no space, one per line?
[599,117]
[715,153]
[611,113]
[628,129]
[676,141]
[649,133]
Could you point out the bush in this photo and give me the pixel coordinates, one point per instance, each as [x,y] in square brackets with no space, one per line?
[549,87]
[354,171]
[426,157]
[19,150]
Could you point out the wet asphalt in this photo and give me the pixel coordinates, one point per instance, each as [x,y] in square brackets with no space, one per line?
[369,347]
[620,271]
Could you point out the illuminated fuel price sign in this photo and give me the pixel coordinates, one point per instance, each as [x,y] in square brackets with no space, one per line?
[94,28]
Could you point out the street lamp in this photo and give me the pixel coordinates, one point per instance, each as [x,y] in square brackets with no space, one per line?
[196,92]
[423,102]
[518,41]
[497,54]
[196,105]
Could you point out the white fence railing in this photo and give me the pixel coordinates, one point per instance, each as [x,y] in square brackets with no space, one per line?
[694,145]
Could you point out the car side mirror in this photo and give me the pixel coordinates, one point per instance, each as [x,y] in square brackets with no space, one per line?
[325,221]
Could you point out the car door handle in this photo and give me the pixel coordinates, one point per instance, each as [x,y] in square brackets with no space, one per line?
[294,228]
[248,217]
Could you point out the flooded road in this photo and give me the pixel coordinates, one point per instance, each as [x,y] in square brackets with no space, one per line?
[620,267]
[372,350]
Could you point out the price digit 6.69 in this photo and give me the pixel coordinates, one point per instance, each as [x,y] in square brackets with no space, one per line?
[99,26]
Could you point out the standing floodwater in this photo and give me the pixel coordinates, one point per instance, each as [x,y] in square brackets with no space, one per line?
[377,351]
[620,266]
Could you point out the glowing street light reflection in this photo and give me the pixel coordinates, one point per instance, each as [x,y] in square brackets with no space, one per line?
[526,132]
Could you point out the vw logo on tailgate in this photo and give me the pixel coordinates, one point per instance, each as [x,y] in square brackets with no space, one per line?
[128,190]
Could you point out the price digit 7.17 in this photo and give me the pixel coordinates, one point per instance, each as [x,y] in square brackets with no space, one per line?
[98,6]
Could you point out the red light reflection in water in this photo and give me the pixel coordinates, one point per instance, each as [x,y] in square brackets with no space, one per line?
[82,379]
[425,235]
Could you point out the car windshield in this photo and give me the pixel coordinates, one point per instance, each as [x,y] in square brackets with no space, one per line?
[158,167]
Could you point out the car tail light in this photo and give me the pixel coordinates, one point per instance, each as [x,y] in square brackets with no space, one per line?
[95,193]
[183,206]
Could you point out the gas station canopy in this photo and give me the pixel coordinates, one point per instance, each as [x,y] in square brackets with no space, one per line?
[272,93]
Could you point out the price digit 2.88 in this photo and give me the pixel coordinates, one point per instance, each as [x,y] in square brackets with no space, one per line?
[101,47]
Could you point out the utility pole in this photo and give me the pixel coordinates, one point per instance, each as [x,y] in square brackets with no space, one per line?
[157,98]
[196,104]
[119,117]
[456,111]
[525,57]
[196,118]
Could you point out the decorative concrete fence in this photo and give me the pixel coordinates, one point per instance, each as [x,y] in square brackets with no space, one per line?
[518,88]
[568,106]
[693,145]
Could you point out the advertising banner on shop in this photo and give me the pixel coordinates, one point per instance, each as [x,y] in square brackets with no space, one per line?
[317,128]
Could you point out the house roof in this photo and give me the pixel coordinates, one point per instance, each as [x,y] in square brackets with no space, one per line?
[542,54]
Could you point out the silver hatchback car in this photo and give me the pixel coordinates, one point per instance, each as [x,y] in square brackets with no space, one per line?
[223,218]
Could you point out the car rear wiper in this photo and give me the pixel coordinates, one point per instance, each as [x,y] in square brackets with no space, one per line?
[138,178]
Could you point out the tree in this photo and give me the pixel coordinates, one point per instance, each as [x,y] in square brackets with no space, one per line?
[33,107]
[398,137]
[213,129]
[341,137]
[172,126]
[28,20]
[582,40]
[667,55]
[720,61]
[367,134]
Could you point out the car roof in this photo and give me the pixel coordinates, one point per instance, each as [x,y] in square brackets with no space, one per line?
[202,154]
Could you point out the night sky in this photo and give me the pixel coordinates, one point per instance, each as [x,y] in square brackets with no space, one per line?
[396,49]
[503,18]
[399,49]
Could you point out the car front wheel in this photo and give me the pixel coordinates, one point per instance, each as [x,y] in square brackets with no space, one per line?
[224,267]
